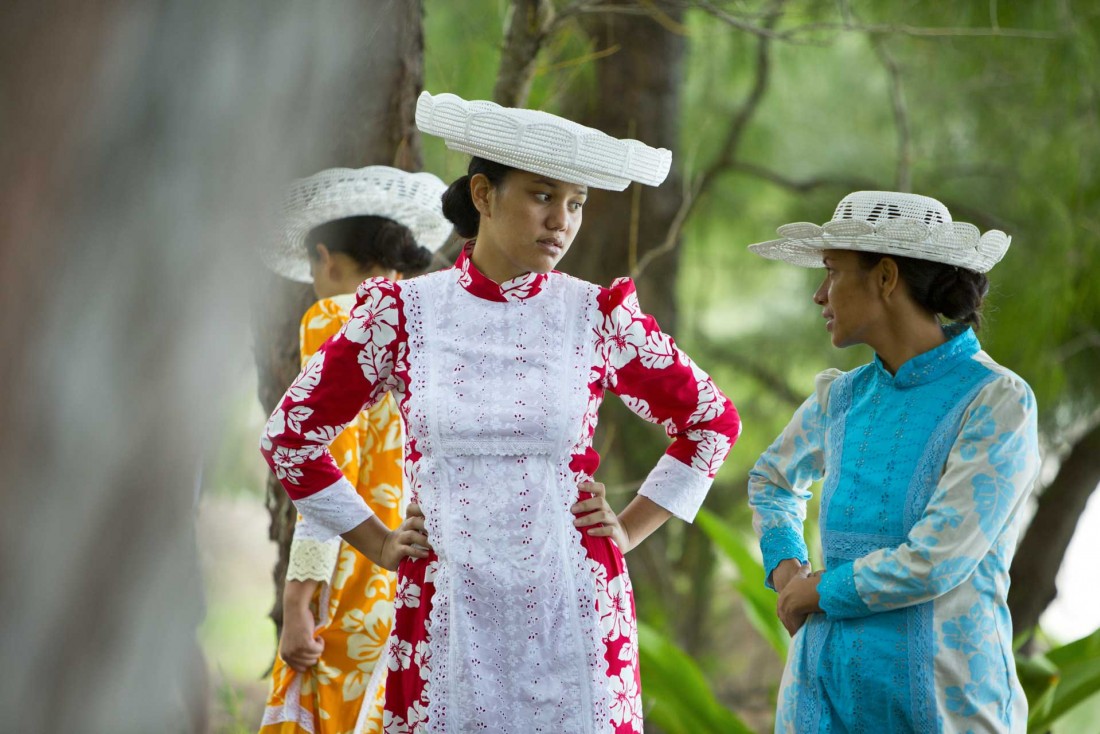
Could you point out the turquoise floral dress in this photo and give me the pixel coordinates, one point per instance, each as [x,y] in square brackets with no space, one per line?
[925,473]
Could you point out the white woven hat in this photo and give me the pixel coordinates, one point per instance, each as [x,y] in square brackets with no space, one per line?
[891,223]
[411,199]
[540,142]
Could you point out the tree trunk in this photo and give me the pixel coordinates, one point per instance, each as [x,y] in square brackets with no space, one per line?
[141,143]
[375,126]
[1035,570]
[638,96]
[529,22]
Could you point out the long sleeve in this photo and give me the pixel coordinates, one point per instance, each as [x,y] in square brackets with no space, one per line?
[351,371]
[311,559]
[779,483]
[989,473]
[659,383]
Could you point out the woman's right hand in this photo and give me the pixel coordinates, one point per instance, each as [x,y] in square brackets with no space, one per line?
[298,646]
[786,570]
[408,540]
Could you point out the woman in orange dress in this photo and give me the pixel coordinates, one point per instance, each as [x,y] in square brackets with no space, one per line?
[344,226]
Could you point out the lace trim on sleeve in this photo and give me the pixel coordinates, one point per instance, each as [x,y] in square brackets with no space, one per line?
[312,560]
[676,487]
[335,509]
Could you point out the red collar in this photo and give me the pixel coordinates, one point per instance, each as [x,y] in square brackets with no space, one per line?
[473,280]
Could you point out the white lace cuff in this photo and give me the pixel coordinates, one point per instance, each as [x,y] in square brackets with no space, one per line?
[335,509]
[676,487]
[312,560]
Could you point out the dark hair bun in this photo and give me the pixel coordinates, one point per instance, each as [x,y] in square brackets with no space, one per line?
[958,293]
[397,249]
[458,207]
[372,241]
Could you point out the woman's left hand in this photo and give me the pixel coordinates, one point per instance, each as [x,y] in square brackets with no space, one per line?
[798,600]
[594,513]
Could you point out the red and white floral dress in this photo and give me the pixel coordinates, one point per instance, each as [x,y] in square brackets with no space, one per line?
[517,621]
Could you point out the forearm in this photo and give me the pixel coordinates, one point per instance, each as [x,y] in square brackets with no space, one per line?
[368,538]
[640,519]
[297,596]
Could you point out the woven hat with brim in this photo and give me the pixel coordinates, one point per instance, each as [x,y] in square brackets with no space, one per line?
[890,223]
[410,199]
[540,142]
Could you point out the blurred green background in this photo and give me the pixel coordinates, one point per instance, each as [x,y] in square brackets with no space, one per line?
[778,110]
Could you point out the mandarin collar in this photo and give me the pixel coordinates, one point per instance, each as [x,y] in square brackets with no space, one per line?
[961,345]
[478,284]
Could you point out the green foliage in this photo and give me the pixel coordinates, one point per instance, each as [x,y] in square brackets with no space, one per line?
[1002,128]
[759,601]
[1063,683]
[679,699]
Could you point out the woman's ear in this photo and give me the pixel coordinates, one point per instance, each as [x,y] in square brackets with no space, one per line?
[481,191]
[887,276]
[323,261]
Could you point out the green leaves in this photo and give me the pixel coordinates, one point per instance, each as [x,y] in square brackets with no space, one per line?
[759,601]
[1060,681]
[679,696]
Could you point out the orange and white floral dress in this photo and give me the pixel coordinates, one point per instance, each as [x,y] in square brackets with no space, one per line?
[354,602]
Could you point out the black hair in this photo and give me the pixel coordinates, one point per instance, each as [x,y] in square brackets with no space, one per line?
[370,242]
[948,290]
[458,204]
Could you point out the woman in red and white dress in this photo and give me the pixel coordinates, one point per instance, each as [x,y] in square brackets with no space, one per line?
[514,610]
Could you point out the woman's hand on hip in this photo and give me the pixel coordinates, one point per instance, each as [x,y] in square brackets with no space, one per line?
[596,518]
[408,540]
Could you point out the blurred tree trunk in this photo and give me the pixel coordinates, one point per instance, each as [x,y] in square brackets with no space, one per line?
[1035,569]
[375,127]
[638,96]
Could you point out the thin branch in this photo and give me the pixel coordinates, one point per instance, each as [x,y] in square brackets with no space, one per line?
[924,32]
[584,7]
[530,23]
[768,377]
[672,236]
[903,180]
[579,60]
[978,217]
[735,22]
[727,153]
[803,186]
[1089,339]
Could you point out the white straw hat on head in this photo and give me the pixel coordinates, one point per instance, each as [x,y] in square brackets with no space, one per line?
[410,199]
[540,142]
[890,223]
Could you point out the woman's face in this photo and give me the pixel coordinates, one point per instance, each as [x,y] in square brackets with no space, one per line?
[528,222]
[850,300]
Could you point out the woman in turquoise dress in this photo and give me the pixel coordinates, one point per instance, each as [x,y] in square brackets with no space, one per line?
[928,453]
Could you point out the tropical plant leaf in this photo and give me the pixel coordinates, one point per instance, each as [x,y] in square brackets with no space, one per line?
[679,696]
[759,601]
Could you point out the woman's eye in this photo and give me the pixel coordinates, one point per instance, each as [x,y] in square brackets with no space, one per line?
[576,205]
[542,197]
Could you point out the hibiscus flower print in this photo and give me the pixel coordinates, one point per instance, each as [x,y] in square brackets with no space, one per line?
[374,319]
[620,338]
[393,724]
[400,654]
[408,595]
[625,700]
[616,619]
